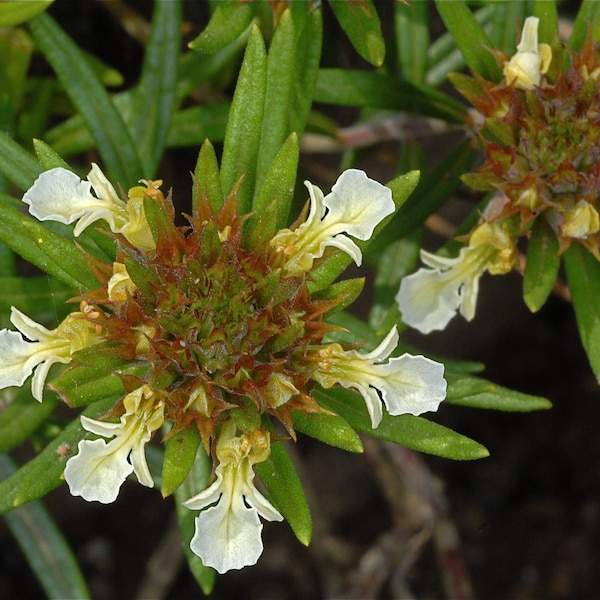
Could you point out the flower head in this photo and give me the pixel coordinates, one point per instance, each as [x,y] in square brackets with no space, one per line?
[355,206]
[59,195]
[429,298]
[224,335]
[19,358]
[228,533]
[100,468]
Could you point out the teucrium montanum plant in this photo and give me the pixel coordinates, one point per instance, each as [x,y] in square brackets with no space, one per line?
[224,333]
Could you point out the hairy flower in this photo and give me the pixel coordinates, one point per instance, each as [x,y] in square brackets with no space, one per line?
[36,348]
[99,469]
[228,530]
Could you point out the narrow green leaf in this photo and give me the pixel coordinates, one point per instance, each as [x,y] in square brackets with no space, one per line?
[308,58]
[542,265]
[88,384]
[547,13]
[242,136]
[22,417]
[478,393]
[330,429]
[17,164]
[47,552]
[376,90]
[40,297]
[416,433]
[281,73]
[279,183]
[283,484]
[156,92]
[196,481]
[361,23]
[587,17]
[470,37]
[411,27]
[207,182]
[49,251]
[16,12]
[43,473]
[343,292]
[583,274]
[48,158]
[112,137]
[227,23]
[180,455]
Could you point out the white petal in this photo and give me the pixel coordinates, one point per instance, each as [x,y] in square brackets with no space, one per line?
[411,385]
[385,347]
[228,536]
[427,300]
[15,359]
[98,470]
[358,203]
[41,373]
[59,195]
[28,327]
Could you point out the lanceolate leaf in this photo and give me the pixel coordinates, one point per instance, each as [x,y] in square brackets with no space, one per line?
[478,393]
[330,429]
[416,433]
[242,136]
[47,552]
[49,251]
[180,453]
[360,22]
[17,164]
[15,12]
[583,273]
[470,37]
[22,417]
[375,90]
[196,481]
[281,480]
[542,265]
[112,137]
[156,92]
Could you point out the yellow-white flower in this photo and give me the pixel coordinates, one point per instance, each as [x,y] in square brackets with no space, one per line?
[405,384]
[228,533]
[99,469]
[429,298]
[525,69]
[355,206]
[20,357]
[581,221]
[59,195]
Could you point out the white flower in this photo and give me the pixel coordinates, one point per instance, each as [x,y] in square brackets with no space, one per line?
[405,384]
[100,468]
[526,67]
[355,206]
[59,195]
[429,298]
[19,357]
[228,534]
